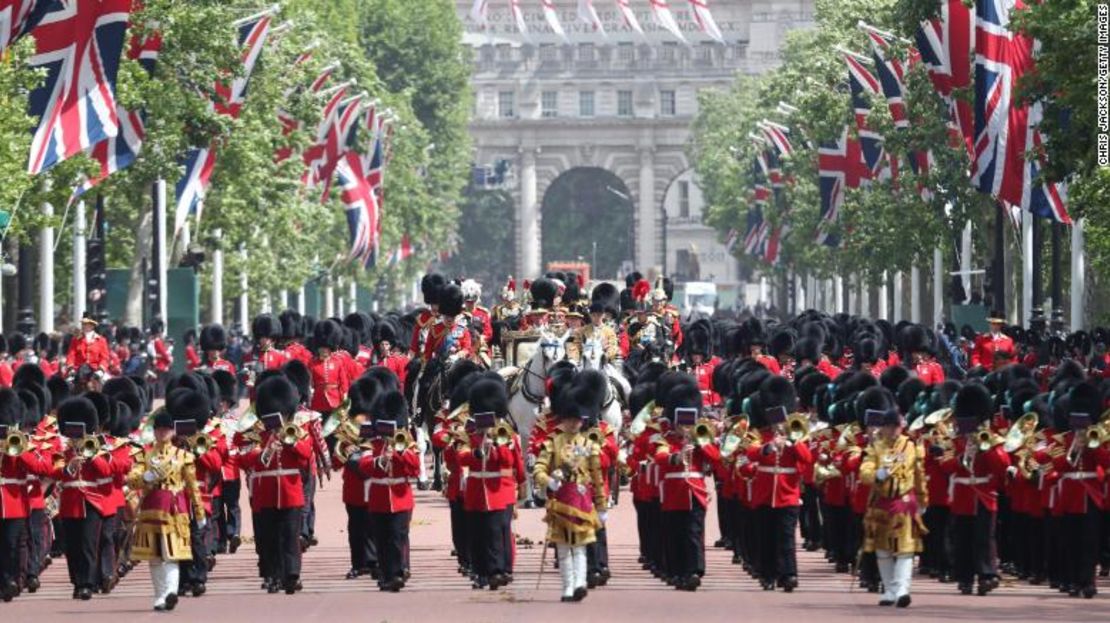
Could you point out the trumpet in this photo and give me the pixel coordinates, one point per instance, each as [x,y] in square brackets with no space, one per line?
[1096,436]
[291,434]
[402,440]
[502,435]
[984,439]
[199,443]
[739,436]
[88,446]
[595,436]
[703,432]
[15,443]
[797,427]
[247,421]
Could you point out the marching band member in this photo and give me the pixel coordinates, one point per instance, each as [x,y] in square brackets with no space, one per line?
[19,461]
[165,476]
[213,343]
[684,455]
[569,468]
[977,465]
[352,437]
[893,466]
[277,496]
[390,464]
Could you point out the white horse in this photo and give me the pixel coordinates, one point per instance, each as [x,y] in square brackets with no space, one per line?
[619,387]
[528,390]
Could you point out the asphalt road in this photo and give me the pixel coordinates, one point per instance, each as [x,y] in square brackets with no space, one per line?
[437,593]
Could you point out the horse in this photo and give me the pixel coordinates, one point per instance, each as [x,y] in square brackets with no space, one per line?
[528,389]
[426,391]
[593,359]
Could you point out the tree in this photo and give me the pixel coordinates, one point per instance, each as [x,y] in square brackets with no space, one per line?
[486,243]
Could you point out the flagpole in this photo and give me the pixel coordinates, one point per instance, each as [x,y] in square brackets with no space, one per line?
[1057,286]
[1026,267]
[938,287]
[965,261]
[999,282]
[898,316]
[882,311]
[1078,274]
[273,8]
[79,292]
[216,314]
[46,272]
[1038,262]
[244,297]
[915,294]
[160,241]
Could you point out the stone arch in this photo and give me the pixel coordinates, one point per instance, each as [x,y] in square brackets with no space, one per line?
[588,215]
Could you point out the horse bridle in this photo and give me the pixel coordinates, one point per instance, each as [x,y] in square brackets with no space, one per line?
[526,372]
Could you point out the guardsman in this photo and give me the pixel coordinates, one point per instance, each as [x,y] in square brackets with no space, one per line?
[917,343]
[165,477]
[684,455]
[426,318]
[331,378]
[452,432]
[1081,462]
[543,293]
[277,495]
[700,360]
[569,468]
[44,439]
[89,348]
[892,527]
[159,351]
[777,463]
[388,352]
[213,343]
[757,342]
[490,488]
[293,328]
[644,483]
[389,465]
[352,437]
[993,349]
[781,347]
[226,505]
[977,465]
[266,331]
[20,460]
[449,337]
[192,357]
[362,326]
[508,308]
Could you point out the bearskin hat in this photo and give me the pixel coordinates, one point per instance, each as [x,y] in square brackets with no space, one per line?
[385,377]
[876,399]
[391,406]
[488,395]
[11,408]
[1085,398]
[684,394]
[103,408]
[187,404]
[893,377]
[361,324]
[698,338]
[776,391]
[385,331]
[807,349]
[79,410]
[867,351]
[292,325]
[914,339]
[807,387]
[450,301]
[430,286]
[213,337]
[265,325]
[782,342]
[228,386]
[543,293]
[28,375]
[276,395]
[973,401]
[327,334]
[297,373]
[362,394]
[907,394]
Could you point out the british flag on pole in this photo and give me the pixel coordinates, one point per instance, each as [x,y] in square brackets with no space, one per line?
[1006,127]
[945,45]
[79,44]
[841,166]
[862,82]
[19,17]
[201,161]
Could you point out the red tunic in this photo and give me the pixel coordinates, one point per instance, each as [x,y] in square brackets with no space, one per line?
[192,359]
[331,378]
[930,372]
[94,353]
[778,475]
[296,350]
[987,345]
[448,337]
[704,375]
[682,484]
[424,322]
[491,482]
[967,490]
[15,475]
[1082,484]
[92,484]
[163,358]
[277,484]
[389,486]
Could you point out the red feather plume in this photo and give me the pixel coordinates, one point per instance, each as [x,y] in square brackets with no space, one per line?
[640,290]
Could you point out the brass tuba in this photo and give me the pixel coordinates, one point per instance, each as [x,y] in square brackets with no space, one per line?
[503,434]
[703,432]
[1020,432]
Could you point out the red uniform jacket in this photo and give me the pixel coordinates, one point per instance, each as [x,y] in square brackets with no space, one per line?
[331,378]
[277,484]
[222,364]
[7,374]
[682,484]
[770,363]
[192,359]
[49,368]
[94,353]
[1082,484]
[273,358]
[121,456]
[163,358]
[15,472]
[365,356]
[481,314]
[491,482]
[397,364]
[296,350]
[424,322]
[92,484]
[704,375]
[967,490]
[210,476]
[778,475]
[930,372]
[447,337]
[641,461]
[355,488]
[827,368]
[389,485]
[987,345]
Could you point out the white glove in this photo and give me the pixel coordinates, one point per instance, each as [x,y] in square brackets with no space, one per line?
[1011,471]
[149,476]
[554,483]
[604,516]
[201,524]
[882,474]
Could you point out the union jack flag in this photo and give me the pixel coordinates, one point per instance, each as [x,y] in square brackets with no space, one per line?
[289,123]
[19,17]
[841,166]
[200,162]
[756,231]
[772,246]
[79,43]
[337,142]
[732,239]
[1005,128]
[116,153]
[316,155]
[945,45]
[779,137]
[862,82]
[363,212]
[402,252]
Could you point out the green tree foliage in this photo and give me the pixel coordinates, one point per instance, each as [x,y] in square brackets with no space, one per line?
[254,202]
[486,243]
[888,225]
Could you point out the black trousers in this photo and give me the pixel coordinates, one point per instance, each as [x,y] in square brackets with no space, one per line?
[722,513]
[646,529]
[487,536]
[13,535]
[597,553]
[106,564]
[82,547]
[1055,542]
[38,542]
[279,542]
[228,516]
[359,538]
[842,534]
[1082,532]
[685,541]
[195,571]
[308,514]
[973,545]
[508,544]
[779,560]
[743,526]
[935,554]
[391,540]
[810,518]
[459,538]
